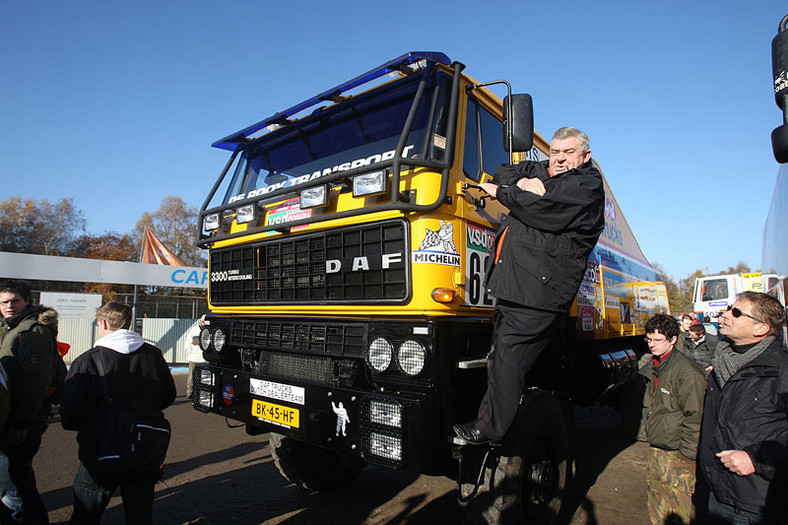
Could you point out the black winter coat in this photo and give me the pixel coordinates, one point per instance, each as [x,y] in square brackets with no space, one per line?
[750,413]
[703,352]
[140,380]
[29,353]
[547,239]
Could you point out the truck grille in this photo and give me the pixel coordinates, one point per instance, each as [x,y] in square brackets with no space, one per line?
[297,367]
[332,339]
[356,264]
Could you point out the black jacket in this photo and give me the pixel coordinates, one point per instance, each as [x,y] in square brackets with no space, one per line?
[139,379]
[547,239]
[703,352]
[750,413]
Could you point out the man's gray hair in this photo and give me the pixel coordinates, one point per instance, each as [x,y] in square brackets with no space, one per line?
[567,132]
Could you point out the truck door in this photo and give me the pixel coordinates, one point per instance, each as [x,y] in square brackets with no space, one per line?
[482,153]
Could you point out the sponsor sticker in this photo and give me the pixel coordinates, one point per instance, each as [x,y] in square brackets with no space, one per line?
[279,391]
[228,394]
[288,212]
[478,243]
[626,313]
[438,247]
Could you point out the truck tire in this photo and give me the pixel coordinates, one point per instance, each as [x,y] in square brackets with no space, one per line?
[530,474]
[314,468]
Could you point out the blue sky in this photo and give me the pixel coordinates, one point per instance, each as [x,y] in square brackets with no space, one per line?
[117,104]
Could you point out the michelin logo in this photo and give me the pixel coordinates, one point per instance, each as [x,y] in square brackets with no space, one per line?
[438,247]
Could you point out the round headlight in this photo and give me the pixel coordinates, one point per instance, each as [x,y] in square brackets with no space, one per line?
[205,339]
[379,355]
[411,357]
[218,339]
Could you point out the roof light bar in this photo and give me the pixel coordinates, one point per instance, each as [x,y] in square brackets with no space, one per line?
[232,142]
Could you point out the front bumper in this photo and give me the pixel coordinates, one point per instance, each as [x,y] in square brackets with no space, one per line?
[393,430]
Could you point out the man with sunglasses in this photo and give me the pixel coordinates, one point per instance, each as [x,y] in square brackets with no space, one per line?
[672,412]
[744,440]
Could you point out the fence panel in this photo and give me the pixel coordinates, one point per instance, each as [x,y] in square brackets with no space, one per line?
[172,336]
[80,333]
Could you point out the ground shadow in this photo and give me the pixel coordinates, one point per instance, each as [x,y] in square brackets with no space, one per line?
[598,437]
[258,494]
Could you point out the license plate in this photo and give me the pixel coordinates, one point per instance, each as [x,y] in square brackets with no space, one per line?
[277,414]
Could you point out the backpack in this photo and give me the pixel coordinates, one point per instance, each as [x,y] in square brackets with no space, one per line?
[46,323]
[125,440]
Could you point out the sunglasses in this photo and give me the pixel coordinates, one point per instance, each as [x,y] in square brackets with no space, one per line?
[735,312]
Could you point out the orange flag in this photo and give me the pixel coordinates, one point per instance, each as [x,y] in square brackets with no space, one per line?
[154,252]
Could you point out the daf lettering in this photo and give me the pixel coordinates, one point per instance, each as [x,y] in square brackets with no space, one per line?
[362,263]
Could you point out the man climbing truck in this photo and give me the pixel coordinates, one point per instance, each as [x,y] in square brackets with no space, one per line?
[348,240]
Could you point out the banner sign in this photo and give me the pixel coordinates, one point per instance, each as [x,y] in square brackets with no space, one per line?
[74,269]
[72,304]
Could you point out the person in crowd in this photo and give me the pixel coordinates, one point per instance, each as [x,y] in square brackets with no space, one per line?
[194,356]
[683,341]
[137,376]
[744,439]
[672,412]
[700,346]
[711,328]
[556,214]
[28,353]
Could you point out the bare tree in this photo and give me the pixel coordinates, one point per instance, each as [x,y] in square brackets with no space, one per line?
[175,224]
[39,227]
[676,300]
[742,267]
[109,246]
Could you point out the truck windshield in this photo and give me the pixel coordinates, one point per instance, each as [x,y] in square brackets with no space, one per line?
[714,290]
[352,134]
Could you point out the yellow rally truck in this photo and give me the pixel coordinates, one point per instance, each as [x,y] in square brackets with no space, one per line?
[347,246]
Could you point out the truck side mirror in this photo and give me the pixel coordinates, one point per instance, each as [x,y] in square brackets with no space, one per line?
[780,143]
[780,71]
[521,122]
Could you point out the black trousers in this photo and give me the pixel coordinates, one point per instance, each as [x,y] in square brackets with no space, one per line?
[18,479]
[92,495]
[520,334]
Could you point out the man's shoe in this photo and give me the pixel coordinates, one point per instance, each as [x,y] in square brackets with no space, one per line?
[471,433]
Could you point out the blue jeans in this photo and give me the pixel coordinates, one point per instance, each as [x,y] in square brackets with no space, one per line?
[92,495]
[18,490]
[724,514]
[9,495]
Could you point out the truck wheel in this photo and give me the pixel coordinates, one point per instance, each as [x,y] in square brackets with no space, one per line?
[314,468]
[530,476]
